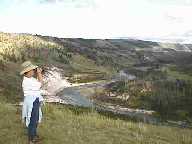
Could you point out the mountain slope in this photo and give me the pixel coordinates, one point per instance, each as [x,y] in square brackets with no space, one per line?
[92,58]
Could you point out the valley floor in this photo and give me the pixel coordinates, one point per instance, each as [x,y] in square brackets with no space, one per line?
[69,125]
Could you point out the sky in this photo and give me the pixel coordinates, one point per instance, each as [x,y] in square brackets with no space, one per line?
[147,19]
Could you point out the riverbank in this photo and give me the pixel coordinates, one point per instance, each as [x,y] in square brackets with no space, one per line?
[54,82]
[60,90]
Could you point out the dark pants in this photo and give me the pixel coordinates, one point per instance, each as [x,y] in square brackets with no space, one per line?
[32,128]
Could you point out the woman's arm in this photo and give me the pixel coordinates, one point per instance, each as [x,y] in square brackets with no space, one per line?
[39,75]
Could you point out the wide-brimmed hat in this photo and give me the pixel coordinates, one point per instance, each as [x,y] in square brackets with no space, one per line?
[27,66]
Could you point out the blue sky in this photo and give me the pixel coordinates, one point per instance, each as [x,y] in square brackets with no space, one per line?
[98,18]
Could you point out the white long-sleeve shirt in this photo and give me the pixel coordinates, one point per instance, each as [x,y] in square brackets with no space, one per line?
[32,90]
[32,87]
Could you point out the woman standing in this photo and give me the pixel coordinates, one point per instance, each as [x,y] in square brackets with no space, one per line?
[31,111]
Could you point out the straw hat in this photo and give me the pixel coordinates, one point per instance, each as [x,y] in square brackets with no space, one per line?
[27,66]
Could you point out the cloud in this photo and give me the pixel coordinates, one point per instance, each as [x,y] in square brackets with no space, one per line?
[172,2]
[174,19]
[71,3]
[48,1]
[97,18]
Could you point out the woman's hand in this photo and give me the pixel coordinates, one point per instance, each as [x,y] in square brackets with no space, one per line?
[39,75]
[39,70]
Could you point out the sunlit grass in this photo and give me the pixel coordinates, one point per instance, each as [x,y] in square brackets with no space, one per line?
[178,75]
[64,124]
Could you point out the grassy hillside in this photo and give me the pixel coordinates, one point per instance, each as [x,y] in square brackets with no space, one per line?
[16,48]
[168,98]
[88,60]
[85,60]
[131,55]
[64,124]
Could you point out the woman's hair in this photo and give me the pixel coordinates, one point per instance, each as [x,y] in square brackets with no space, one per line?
[25,73]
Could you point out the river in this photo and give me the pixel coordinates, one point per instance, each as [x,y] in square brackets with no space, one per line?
[73,96]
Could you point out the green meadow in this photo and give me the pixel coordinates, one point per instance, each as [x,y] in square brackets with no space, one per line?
[72,125]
